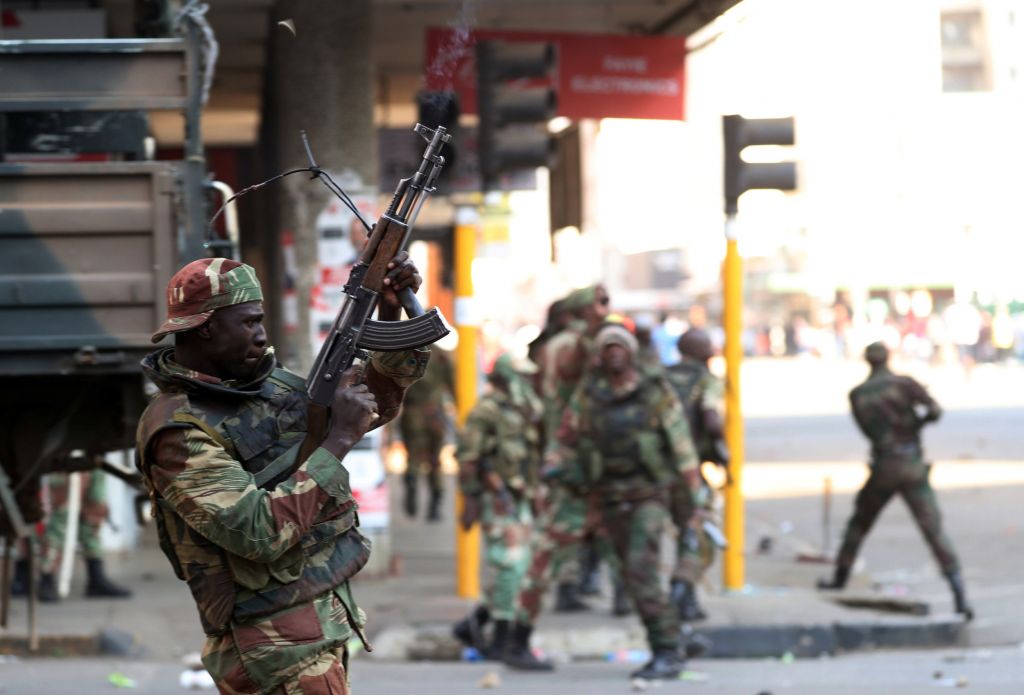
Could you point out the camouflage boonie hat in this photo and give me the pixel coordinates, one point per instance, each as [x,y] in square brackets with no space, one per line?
[202,287]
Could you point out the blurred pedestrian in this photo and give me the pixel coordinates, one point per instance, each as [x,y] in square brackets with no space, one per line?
[891,410]
[499,456]
[702,396]
[426,424]
[623,442]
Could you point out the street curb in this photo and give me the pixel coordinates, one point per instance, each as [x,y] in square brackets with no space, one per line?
[434,642]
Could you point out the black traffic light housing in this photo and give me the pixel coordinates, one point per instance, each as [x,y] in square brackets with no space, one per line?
[439,109]
[739,132]
[513,115]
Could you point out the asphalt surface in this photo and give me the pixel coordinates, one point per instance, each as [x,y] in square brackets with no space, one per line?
[992,672]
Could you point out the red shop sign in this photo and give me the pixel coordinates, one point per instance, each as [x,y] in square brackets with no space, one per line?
[597,76]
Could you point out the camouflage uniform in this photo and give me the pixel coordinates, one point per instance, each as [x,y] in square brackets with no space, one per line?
[424,423]
[501,438]
[884,408]
[268,569]
[92,514]
[698,390]
[621,451]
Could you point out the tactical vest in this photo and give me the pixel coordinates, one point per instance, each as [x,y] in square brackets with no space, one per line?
[255,431]
[626,434]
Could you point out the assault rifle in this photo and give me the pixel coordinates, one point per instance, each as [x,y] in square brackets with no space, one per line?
[354,333]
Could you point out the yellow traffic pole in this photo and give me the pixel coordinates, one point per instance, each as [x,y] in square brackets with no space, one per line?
[732,561]
[467,543]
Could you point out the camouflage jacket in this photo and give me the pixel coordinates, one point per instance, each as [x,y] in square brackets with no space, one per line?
[252,556]
[631,439]
[501,436]
[891,410]
[699,390]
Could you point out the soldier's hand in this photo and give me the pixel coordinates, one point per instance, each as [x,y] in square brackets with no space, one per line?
[402,273]
[354,409]
[470,511]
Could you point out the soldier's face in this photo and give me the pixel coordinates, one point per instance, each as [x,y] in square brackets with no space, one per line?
[616,359]
[237,340]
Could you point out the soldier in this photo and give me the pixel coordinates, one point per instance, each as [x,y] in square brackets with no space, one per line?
[499,457]
[891,410]
[425,423]
[701,394]
[268,569]
[624,441]
[566,357]
[92,514]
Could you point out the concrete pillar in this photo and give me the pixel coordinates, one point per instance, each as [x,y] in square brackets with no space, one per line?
[321,80]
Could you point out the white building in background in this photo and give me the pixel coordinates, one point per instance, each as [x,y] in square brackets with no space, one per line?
[910,138]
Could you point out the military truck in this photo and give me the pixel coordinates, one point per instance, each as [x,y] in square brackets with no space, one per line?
[86,250]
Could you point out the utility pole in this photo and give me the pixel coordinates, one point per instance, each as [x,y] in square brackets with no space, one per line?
[467,542]
[741,176]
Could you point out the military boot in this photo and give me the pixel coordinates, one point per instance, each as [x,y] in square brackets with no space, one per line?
[495,651]
[621,603]
[470,630]
[517,651]
[47,592]
[20,580]
[568,599]
[590,569]
[98,585]
[838,581]
[409,498]
[665,664]
[956,583]
[684,595]
[434,510]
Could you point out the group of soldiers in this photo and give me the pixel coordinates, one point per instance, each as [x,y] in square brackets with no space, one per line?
[594,441]
[591,440]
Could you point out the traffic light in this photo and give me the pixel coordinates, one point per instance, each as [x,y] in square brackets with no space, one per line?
[513,115]
[740,176]
[439,109]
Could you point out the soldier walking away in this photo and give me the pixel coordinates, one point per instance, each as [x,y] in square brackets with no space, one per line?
[624,441]
[268,569]
[891,410]
[499,457]
[701,394]
[91,516]
[425,423]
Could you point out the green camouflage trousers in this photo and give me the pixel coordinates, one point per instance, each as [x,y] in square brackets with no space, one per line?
[634,528]
[92,515]
[911,482]
[565,518]
[327,674]
[695,551]
[508,553]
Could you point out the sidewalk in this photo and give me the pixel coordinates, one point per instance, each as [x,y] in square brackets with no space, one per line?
[779,615]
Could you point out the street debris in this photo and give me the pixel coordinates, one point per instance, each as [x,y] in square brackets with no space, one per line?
[628,656]
[119,680]
[490,680]
[694,676]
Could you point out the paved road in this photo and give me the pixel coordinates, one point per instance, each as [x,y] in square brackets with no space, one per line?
[992,672]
